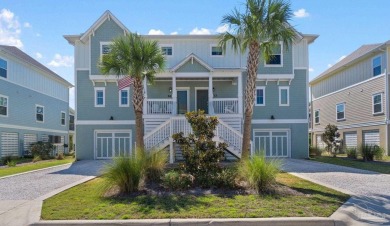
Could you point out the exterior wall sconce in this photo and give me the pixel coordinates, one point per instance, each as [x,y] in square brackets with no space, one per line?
[111,118]
[272,117]
[170,89]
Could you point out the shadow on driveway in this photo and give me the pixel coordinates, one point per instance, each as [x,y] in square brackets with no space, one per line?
[85,168]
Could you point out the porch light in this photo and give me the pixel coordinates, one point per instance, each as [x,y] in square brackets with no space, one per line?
[272,117]
[170,89]
[111,118]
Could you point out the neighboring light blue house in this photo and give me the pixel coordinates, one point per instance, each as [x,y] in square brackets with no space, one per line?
[34,103]
[199,75]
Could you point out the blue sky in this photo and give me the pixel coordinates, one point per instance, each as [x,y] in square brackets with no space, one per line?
[37,26]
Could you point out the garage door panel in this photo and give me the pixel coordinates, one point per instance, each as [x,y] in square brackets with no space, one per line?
[112,144]
[273,143]
[9,144]
[371,138]
[350,140]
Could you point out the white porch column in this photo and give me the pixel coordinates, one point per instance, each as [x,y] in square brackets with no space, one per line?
[171,151]
[240,96]
[145,107]
[174,95]
[211,94]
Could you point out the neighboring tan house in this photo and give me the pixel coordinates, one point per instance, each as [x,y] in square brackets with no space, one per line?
[353,95]
[34,103]
[199,75]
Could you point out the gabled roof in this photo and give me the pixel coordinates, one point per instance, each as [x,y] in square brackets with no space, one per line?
[358,54]
[15,52]
[192,57]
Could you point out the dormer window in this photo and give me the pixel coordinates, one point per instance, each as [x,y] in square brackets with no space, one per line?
[3,68]
[276,58]
[377,66]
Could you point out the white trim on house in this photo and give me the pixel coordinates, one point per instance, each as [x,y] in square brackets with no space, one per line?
[319,117]
[63,112]
[7,112]
[10,126]
[113,143]
[167,45]
[270,131]
[101,48]
[128,97]
[261,88]
[6,68]
[281,58]
[192,56]
[373,104]
[43,113]
[341,119]
[104,122]
[372,64]
[357,125]
[279,121]
[351,86]
[280,95]
[211,50]
[104,96]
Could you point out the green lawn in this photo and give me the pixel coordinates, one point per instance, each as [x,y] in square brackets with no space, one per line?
[380,167]
[6,171]
[84,202]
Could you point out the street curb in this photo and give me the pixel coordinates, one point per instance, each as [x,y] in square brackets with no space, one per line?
[285,221]
[32,171]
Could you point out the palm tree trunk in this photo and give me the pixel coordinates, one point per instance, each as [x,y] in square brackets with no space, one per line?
[252,64]
[138,102]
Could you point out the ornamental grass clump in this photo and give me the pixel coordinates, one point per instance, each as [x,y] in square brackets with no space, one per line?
[259,173]
[155,163]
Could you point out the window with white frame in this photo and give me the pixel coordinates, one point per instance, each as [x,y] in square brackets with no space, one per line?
[167,50]
[317,117]
[3,105]
[124,97]
[376,66]
[39,115]
[276,58]
[340,111]
[100,96]
[216,50]
[3,68]
[260,96]
[105,48]
[63,116]
[284,96]
[377,103]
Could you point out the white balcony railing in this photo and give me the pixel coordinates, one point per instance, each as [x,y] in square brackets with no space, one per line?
[159,106]
[225,105]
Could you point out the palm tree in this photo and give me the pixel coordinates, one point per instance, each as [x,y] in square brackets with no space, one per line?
[139,58]
[263,25]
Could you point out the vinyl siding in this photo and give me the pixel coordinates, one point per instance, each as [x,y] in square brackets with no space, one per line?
[357,73]
[29,77]
[192,67]
[86,109]
[297,95]
[82,55]
[358,105]
[287,64]
[300,54]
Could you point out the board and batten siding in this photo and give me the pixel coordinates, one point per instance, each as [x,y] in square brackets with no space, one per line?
[357,73]
[300,54]
[82,55]
[32,78]
[358,105]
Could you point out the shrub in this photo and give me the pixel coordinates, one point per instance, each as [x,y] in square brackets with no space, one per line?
[315,151]
[6,159]
[37,158]
[155,163]
[330,137]
[259,173]
[60,156]
[351,153]
[226,178]
[174,180]
[43,149]
[368,152]
[201,154]
[125,173]
[11,163]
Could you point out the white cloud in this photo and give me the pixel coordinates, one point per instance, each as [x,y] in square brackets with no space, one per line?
[341,58]
[27,25]
[174,33]
[38,55]
[155,32]
[223,28]
[61,61]
[311,69]
[10,29]
[202,31]
[301,13]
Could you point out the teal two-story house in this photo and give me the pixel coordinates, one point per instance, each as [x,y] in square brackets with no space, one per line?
[34,104]
[199,75]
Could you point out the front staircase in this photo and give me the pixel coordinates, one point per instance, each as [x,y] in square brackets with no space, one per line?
[161,136]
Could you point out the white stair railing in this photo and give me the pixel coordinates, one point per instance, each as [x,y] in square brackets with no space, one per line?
[158,136]
[231,136]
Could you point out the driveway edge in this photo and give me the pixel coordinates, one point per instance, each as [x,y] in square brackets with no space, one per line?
[32,171]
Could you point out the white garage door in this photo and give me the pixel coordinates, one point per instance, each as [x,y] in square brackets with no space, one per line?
[320,143]
[9,144]
[350,140]
[110,144]
[371,137]
[28,140]
[273,143]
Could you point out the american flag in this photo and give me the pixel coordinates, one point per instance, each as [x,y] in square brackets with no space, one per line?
[125,82]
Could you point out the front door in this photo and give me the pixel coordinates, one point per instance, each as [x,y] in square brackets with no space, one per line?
[202,100]
[182,101]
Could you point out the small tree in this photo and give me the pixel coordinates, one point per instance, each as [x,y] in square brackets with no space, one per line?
[201,154]
[330,137]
